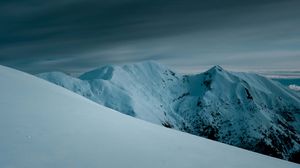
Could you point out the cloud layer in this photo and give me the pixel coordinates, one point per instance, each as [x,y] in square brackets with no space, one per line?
[76,35]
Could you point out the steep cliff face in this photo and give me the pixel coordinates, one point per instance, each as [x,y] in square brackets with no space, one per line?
[241,109]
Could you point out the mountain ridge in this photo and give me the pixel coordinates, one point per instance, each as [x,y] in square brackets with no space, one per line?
[242,109]
[43,125]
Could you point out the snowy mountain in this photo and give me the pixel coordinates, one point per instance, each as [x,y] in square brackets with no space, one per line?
[240,109]
[43,125]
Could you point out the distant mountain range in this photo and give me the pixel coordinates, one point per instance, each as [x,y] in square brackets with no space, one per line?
[241,109]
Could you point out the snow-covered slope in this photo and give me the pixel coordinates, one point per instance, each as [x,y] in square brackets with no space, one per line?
[43,125]
[241,109]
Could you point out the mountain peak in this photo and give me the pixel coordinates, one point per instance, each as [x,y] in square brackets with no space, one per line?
[240,109]
[104,72]
[34,112]
[216,68]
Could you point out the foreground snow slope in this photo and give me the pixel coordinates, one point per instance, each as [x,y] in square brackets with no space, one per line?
[240,109]
[43,125]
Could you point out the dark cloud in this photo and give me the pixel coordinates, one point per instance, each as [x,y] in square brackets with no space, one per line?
[74,35]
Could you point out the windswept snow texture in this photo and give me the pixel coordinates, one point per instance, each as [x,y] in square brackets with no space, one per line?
[43,125]
[241,109]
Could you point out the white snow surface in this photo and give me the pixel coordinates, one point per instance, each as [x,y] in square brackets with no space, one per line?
[242,109]
[43,125]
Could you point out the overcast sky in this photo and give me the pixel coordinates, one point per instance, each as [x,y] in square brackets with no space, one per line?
[188,35]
